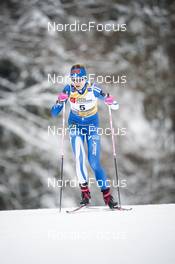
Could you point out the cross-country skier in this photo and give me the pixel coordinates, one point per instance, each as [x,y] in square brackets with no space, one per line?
[83,123]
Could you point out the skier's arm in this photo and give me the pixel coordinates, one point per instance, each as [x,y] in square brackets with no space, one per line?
[58,106]
[109,100]
[98,92]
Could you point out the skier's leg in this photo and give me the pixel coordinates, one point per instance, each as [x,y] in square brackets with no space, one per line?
[77,142]
[93,141]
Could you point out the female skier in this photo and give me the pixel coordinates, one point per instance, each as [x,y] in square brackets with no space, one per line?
[83,125]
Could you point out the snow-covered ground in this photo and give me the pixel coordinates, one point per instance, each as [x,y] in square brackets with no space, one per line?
[144,235]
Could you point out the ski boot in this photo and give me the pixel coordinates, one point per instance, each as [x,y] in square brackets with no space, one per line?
[108,199]
[85,194]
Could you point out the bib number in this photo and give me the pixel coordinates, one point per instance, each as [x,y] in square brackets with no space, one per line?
[82,107]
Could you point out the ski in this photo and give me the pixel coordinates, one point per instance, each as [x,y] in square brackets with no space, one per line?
[76,209]
[111,209]
[121,209]
[94,207]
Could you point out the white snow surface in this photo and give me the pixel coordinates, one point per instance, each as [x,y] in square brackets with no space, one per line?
[144,235]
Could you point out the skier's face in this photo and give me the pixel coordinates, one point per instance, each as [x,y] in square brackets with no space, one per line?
[78,82]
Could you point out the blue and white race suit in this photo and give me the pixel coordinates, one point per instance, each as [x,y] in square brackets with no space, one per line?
[83,124]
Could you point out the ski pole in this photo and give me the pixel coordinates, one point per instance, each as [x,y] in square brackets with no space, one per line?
[114,154]
[62,154]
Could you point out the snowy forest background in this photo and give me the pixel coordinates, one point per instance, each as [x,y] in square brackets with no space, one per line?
[145,53]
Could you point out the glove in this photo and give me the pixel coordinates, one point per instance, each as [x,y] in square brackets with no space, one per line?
[109,100]
[62,97]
